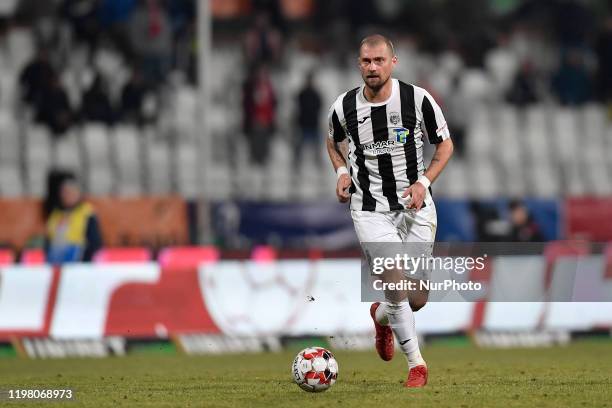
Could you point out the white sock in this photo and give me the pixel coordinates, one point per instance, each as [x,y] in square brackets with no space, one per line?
[381,314]
[401,320]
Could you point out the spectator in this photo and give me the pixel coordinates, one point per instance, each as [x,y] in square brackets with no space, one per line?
[308,109]
[183,20]
[30,11]
[111,12]
[82,17]
[182,13]
[73,233]
[53,107]
[523,89]
[259,113]
[96,105]
[262,43]
[571,83]
[151,40]
[489,226]
[35,77]
[522,226]
[113,17]
[132,98]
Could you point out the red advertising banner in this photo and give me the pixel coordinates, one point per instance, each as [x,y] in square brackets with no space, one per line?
[589,218]
[249,299]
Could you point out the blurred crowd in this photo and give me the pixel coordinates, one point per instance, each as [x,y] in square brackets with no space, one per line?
[516,52]
[151,38]
[519,52]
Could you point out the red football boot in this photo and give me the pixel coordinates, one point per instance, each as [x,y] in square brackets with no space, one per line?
[417,377]
[384,336]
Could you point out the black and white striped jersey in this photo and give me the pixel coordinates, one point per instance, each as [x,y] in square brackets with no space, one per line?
[386,142]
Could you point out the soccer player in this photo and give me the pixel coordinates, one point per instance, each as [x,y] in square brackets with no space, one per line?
[384,122]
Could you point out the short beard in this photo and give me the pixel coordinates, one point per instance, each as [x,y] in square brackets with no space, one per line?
[376,88]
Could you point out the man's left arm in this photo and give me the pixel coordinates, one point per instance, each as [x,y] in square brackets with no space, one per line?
[435,127]
[417,191]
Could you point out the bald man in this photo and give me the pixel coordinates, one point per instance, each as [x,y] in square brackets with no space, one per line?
[384,122]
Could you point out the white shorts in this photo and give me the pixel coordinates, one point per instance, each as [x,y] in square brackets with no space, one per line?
[397,227]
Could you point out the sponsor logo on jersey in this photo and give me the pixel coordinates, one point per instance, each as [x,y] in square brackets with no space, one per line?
[380,147]
[401,135]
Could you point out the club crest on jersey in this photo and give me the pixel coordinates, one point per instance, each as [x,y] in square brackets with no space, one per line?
[394,118]
[401,135]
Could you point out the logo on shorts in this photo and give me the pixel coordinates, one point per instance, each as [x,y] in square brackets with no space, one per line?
[394,118]
[401,135]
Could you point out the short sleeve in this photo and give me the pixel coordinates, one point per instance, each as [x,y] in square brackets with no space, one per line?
[336,132]
[434,124]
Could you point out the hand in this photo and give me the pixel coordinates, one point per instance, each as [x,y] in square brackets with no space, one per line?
[417,195]
[344,182]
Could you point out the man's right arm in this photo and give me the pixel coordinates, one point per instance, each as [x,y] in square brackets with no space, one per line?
[335,154]
[336,136]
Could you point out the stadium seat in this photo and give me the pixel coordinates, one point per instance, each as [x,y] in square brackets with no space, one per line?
[38,158]
[187,162]
[566,136]
[544,181]
[10,181]
[508,144]
[157,162]
[127,148]
[107,61]
[67,152]
[597,179]
[34,256]
[487,184]
[99,174]
[475,84]
[20,42]
[6,257]
[100,181]
[502,64]
[97,144]
[281,173]
[509,155]
[8,86]
[220,184]
[9,139]
[187,257]
[480,139]
[185,109]
[112,255]
[218,119]
[592,121]
[537,146]
[328,81]
[454,181]
[575,183]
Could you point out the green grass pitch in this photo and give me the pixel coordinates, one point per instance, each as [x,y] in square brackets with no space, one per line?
[577,375]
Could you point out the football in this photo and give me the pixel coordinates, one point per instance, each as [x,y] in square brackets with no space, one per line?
[314,369]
